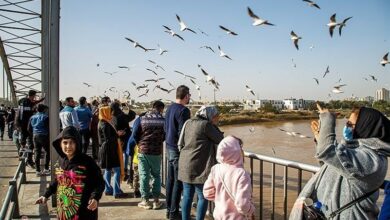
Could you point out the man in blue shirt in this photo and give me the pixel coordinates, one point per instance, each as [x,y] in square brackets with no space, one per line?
[84,115]
[175,117]
[39,127]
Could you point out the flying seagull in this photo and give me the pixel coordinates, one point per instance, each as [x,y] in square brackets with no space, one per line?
[223,54]
[171,84]
[196,86]
[385,60]
[183,26]
[318,82]
[207,47]
[172,33]
[337,89]
[228,31]
[252,129]
[154,80]
[210,79]
[152,71]
[110,73]
[133,83]
[89,85]
[128,94]
[161,50]
[202,32]
[295,39]
[373,78]
[332,24]
[124,67]
[326,72]
[342,24]
[256,20]
[185,75]
[248,89]
[142,86]
[312,4]
[136,44]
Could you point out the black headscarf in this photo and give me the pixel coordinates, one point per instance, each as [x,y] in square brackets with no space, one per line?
[68,132]
[371,123]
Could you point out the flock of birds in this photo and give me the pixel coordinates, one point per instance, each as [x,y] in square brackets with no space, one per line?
[209,78]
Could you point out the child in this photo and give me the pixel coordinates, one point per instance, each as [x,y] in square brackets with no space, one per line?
[228,184]
[79,183]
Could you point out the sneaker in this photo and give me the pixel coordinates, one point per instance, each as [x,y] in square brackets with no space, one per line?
[145,204]
[108,193]
[137,194]
[157,205]
[46,172]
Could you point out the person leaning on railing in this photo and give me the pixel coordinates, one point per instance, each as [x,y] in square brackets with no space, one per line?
[346,186]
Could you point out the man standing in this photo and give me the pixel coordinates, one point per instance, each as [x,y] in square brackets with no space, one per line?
[84,115]
[23,115]
[68,115]
[149,135]
[93,127]
[39,128]
[175,117]
[3,116]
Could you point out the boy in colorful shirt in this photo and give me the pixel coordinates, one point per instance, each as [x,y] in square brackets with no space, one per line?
[79,183]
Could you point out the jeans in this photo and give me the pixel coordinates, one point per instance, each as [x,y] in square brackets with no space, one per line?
[188,194]
[174,186]
[26,141]
[85,135]
[2,128]
[116,190]
[149,165]
[10,129]
[41,141]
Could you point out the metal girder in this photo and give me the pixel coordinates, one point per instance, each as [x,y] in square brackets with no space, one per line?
[20,45]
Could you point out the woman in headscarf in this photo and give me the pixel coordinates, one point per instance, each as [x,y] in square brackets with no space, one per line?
[352,170]
[198,146]
[110,156]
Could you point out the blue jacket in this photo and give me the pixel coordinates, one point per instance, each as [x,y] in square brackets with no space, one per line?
[385,210]
[132,139]
[39,123]
[85,115]
[68,117]
[175,117]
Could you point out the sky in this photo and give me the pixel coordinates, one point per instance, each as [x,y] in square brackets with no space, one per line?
[263,57]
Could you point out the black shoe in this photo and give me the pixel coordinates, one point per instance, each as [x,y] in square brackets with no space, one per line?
[137,194]
[121,196]
[31,165]
[175,216]
[108,193]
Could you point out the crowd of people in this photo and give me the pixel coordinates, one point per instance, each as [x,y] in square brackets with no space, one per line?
[201,160]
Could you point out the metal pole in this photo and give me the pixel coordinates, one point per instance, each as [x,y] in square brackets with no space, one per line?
[45,50]
[3,83]
[54,38]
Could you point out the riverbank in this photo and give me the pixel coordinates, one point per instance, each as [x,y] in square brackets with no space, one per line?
[255,117]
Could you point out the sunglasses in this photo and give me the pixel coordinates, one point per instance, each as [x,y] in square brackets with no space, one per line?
[349,124]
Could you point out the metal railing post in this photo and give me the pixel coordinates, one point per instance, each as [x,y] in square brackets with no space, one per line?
[23,170]
[15,199]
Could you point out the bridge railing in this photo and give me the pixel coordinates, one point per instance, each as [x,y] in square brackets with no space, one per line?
[10,208]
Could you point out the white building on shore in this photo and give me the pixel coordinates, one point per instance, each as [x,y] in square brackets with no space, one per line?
[290,104]
[382,94]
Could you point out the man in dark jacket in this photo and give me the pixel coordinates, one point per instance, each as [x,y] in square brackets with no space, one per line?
[79,183]
[3,116]
[25,111]
[149,135]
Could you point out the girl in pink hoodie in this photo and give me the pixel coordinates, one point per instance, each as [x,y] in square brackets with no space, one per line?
[228,184]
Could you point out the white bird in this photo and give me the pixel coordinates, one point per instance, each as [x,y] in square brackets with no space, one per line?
[256,20]
[318,82]
[343,24]
[172,33]
[89,85]
[373,78]
[337,89]
[228,31]
[202,32]
[133,83]
[154,80]
[312,4]
[196,86]
[136,44]
[183,26]
[223,54]
[311,47]
[152,71]
[161,50]
[171,84]
[210,79]
[252,129]
[385,60]
[332,24]
[295,39]
[248,89]
[185,75]
[110,73]
[207,47]
[124,67]
[326,72]
[142,86]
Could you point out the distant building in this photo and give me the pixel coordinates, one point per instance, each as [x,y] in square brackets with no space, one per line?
[382,94]
[295,104]
[253,105]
